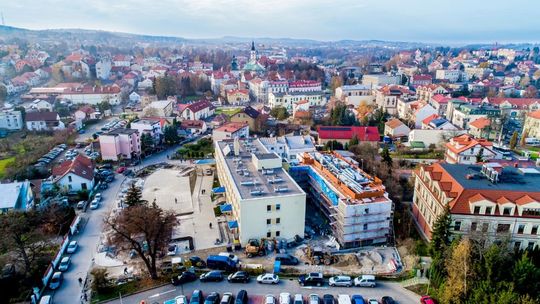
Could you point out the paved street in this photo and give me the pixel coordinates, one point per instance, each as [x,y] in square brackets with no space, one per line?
[161,294]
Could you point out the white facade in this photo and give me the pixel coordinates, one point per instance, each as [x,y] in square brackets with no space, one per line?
[103,69]
[287,100]
[73,183]
[374,80]
[450,75]
[231,130]
[91,98]
[11,120]
[289,147]
[163,108]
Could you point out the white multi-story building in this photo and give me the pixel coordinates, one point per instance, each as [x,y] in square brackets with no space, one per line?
[288,100]
[103,69]
[354,203]
[374,80]
[289,147]
[266,202]
[304,86]
[487,201]
[11,120]
[355,94]
[450,75]
[465,149]
[148,126]
[231,130]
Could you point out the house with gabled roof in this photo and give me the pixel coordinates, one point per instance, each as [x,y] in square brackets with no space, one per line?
[74,175]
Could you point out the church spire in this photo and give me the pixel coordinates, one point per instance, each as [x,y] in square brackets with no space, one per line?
[252,45]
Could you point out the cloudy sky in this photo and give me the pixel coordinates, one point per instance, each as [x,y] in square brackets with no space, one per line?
[450,21]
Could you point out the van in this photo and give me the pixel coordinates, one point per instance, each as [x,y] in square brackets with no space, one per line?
[366,280]
[287,259]
[220,262]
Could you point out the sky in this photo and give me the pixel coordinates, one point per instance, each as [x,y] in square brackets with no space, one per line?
[438,21]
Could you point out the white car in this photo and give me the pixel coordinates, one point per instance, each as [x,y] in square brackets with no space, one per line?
[268,278]
[366,280]
[94,204]
[373,301]
[284,298]
[72,247]
[314,299]
[98,197]
[343,299]
[299,299]
[233,257]
[340,281]
[56,280]
[64,263]
[269,299]
[181,300]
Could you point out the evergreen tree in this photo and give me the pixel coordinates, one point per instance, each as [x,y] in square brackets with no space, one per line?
[170,135]
[479,156]
[147,143]
[354,141]
[134,196]
[441,235]
[386,158]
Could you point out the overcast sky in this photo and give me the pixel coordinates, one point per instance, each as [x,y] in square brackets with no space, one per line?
[450,21]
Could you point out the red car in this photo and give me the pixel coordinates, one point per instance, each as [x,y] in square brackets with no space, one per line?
[427,300]
[121,169]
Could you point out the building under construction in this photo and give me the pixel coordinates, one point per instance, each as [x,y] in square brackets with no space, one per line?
[355,204]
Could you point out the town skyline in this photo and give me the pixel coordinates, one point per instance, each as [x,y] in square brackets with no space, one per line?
[342,20]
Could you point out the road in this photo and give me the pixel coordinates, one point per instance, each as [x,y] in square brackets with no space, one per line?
[161,294]
[89,236]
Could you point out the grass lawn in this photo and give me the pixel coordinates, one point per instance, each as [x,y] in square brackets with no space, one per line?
[128,288]
[228,111]
[4,163]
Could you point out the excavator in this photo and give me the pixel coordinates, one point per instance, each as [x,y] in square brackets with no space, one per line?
[255,247]
[317,256]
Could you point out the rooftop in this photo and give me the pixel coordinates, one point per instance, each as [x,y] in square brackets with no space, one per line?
[251,182]
[119,131]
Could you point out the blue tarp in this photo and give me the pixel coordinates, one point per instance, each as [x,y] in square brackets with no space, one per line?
[232,224]
[219,190]
[225,207]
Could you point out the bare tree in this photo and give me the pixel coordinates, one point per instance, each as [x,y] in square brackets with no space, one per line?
[144,228]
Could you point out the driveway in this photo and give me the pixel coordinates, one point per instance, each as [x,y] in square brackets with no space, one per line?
[257,291]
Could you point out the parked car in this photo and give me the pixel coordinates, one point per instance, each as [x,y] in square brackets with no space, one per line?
[220,262]
[238,277]
[286,259]
[56,280]
[427,300]
[196,297]
[185,277]
[344,299]
[94,204]
[233,257]
[269,299]
[372,301]
[64,263]
[211,276]
[212,298]
[340,281]
[328,299]
[98,197]
[366,280]
[284,298]
[121,169]
[103,186]
[227,298]
[298,299]
[268,278]
[197,261]
[241,297]
[180,300]
[80,204]
[387,300]
[72,247]
[311,279]
[314,299]
[357,299]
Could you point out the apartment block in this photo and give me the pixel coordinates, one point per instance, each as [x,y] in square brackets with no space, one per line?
[120,144]
[355,204]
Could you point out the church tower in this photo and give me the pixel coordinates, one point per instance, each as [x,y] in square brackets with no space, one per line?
[253,52]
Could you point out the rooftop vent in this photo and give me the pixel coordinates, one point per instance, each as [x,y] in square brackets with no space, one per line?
[257,191]
[281,189]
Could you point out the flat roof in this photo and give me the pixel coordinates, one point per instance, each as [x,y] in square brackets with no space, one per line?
[121,131]
[511,179]
[247,178]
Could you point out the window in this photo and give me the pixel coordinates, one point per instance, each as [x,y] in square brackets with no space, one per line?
[269,234]
[476,210]
[457,226]
[485,227]
[530,246]
[517,245]
[488,210]
[521,228]
[277,233]
[502,228]
[534,229]
[278,206]
[365,226]
[366,211]
[268,207]
[474,226]
[529,211]
[83,186]
[507,210]
[69,178]
[278,220]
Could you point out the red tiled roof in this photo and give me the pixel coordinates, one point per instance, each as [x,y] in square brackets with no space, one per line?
[197,124]
[41,116]
[199,106]
[80,166]
[428,119]
[394,123]
[480,123]
[464,142]
[519,102]
[339,132]
[231,127]
[535,114]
